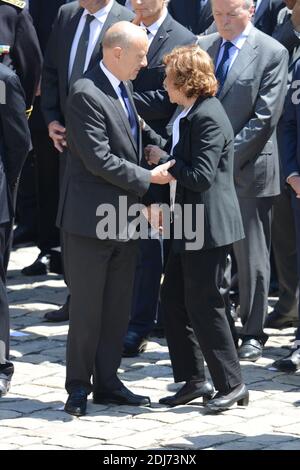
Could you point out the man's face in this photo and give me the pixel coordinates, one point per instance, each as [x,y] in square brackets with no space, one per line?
[93,5]
[231,17]
[290,3]
[133,58]
[149,10]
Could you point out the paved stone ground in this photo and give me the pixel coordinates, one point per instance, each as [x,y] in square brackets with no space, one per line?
[31,416]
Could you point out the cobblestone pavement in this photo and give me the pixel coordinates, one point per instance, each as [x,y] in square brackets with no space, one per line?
[31,415]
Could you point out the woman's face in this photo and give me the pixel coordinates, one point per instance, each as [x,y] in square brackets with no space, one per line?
[175,95]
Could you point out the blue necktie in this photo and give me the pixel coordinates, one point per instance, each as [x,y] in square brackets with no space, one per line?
[131,114]
[223,67]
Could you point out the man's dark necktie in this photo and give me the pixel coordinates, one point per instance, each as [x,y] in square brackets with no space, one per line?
[131,114]
[223,67]
[80,57]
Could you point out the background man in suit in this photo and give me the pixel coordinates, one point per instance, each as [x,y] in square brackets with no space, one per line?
[285,311]
[104,139]
[65,52]
[252,72]
[46,161]
[195,16]
[14,146]
[290,127]
[153,105]
[266,14]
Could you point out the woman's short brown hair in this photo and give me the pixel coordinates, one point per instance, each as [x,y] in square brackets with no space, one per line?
[192,71]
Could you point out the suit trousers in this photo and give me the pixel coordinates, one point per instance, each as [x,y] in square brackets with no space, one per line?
[253,262]
[284,249]
[195,318]
[100,279]
[5,239]
[296,209]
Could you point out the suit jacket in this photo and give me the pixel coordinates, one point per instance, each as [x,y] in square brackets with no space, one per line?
[253,97]
[285,34]
[204,158]
[104,159]
[56,63]
[14,138]
[193,17]
[17,31]
[43,14]
[151,99]
[265,17]
[290,129]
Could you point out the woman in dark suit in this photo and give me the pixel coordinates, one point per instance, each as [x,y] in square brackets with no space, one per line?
[195,320]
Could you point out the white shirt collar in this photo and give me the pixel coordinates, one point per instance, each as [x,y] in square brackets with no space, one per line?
[101,14]
[154,27]
[115,82]
[239,41]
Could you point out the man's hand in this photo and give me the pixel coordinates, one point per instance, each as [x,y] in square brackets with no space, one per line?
[294,182]
[296,16]
[58,134]
[153,154]
[160,174]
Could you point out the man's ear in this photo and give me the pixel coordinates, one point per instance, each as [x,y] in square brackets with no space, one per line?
[117,51]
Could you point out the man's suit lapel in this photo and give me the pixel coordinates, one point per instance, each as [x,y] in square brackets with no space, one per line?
[112,17]
[105,86]
[245,57]
[160,38]
[70,31]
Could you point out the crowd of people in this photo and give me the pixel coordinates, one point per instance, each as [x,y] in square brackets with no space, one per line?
[188,111]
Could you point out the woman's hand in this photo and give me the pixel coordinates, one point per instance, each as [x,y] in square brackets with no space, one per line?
[153,154]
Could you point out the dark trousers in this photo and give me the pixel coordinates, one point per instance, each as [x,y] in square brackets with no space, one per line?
[5,242]
[284,250]
[100,278]
[195,318]
[26,201]
[47,186]
[296,209]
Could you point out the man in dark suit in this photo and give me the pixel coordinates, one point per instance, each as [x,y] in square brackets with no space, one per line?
[266,14]
[252,71]
[153,105]
[104,164]
[14,146]
[195,16]
[59,62]
[46,162]
[290,154]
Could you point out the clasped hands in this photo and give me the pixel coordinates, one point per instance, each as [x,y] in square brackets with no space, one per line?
[160,174]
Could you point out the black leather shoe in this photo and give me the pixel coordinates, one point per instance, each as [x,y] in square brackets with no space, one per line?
[56,316]
[76,403]
[45,263]
[291,363]
[6,373]
[279,322]
[250,350]
[122,396]
[133,344]
[190,390]
[222,402]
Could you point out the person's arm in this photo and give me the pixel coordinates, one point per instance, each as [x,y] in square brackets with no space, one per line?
[250,141]
[15,130]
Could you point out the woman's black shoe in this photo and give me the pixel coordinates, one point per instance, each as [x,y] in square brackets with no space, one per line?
[222,402]
[191,390]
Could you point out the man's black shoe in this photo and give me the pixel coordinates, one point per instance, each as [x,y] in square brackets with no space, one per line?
[122,396]
[45,263]
[133,344]
[60,315]
[279,322]
[6,373]
[190,390]
[224,401]
[76,403]
[291,363]
[250,350]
